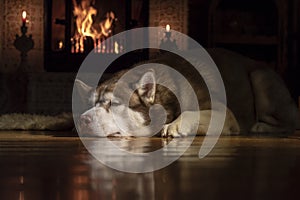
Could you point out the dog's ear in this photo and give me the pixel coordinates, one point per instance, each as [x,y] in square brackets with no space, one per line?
[146,87]
[83,89]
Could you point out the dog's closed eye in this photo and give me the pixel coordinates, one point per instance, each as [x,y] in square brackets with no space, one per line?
[103,102]
[115,103]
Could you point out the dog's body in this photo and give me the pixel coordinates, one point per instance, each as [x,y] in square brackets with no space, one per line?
[257,100]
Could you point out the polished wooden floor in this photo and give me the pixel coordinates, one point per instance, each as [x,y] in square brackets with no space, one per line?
[56,166]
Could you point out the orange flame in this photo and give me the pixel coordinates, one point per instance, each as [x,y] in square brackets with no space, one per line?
[107,24]
[85,27]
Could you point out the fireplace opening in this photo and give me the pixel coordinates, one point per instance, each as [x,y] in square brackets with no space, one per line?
[75,28]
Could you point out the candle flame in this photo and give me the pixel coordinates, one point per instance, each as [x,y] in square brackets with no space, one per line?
[24,14]
[168,28]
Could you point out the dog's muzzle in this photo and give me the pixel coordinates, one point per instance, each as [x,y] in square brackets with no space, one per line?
[97,122]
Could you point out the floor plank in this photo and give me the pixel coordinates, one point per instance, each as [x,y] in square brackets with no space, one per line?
[47,165]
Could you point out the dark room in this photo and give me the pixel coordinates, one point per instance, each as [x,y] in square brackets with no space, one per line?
[149,99]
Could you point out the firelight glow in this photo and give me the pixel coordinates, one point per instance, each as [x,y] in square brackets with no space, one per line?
[168,28]
[60,45]
[86,27]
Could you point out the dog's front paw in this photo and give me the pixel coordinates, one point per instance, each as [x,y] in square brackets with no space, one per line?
[171,130]
[183,126]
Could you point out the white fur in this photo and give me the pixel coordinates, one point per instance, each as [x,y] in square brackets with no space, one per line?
[119,119]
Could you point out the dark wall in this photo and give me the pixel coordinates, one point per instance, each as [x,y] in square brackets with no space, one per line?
[293,73]
[198,21]
[198,30]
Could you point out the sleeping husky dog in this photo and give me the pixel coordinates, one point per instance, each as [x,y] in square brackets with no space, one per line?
[257,100]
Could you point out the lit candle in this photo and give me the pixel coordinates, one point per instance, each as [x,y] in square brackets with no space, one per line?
[168,32]
[24,15]
[168,28]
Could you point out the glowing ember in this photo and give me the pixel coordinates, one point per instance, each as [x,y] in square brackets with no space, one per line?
[85,26]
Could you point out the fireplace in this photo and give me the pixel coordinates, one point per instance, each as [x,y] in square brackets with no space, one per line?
[75,28]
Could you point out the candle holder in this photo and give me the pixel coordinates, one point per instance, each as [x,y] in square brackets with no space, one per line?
[166,42]
[24,44]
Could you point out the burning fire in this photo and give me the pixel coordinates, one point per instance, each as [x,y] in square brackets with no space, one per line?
[107,24]
[85,26]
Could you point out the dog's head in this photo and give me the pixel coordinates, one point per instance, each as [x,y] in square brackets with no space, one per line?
[121,107]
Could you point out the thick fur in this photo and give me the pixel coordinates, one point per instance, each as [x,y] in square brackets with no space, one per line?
[258,100]
[256,94]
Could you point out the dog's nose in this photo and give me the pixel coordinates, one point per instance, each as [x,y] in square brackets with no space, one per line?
[86,119]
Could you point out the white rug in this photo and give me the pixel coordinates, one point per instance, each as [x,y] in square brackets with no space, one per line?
[63,121]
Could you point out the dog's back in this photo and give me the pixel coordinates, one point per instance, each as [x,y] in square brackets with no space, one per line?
[256,94]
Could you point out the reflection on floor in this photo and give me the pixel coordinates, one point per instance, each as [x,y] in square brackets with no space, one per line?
[38,166]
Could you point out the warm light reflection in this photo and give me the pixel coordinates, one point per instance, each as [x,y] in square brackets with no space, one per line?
[21,195]
[116,48]
[60,45]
